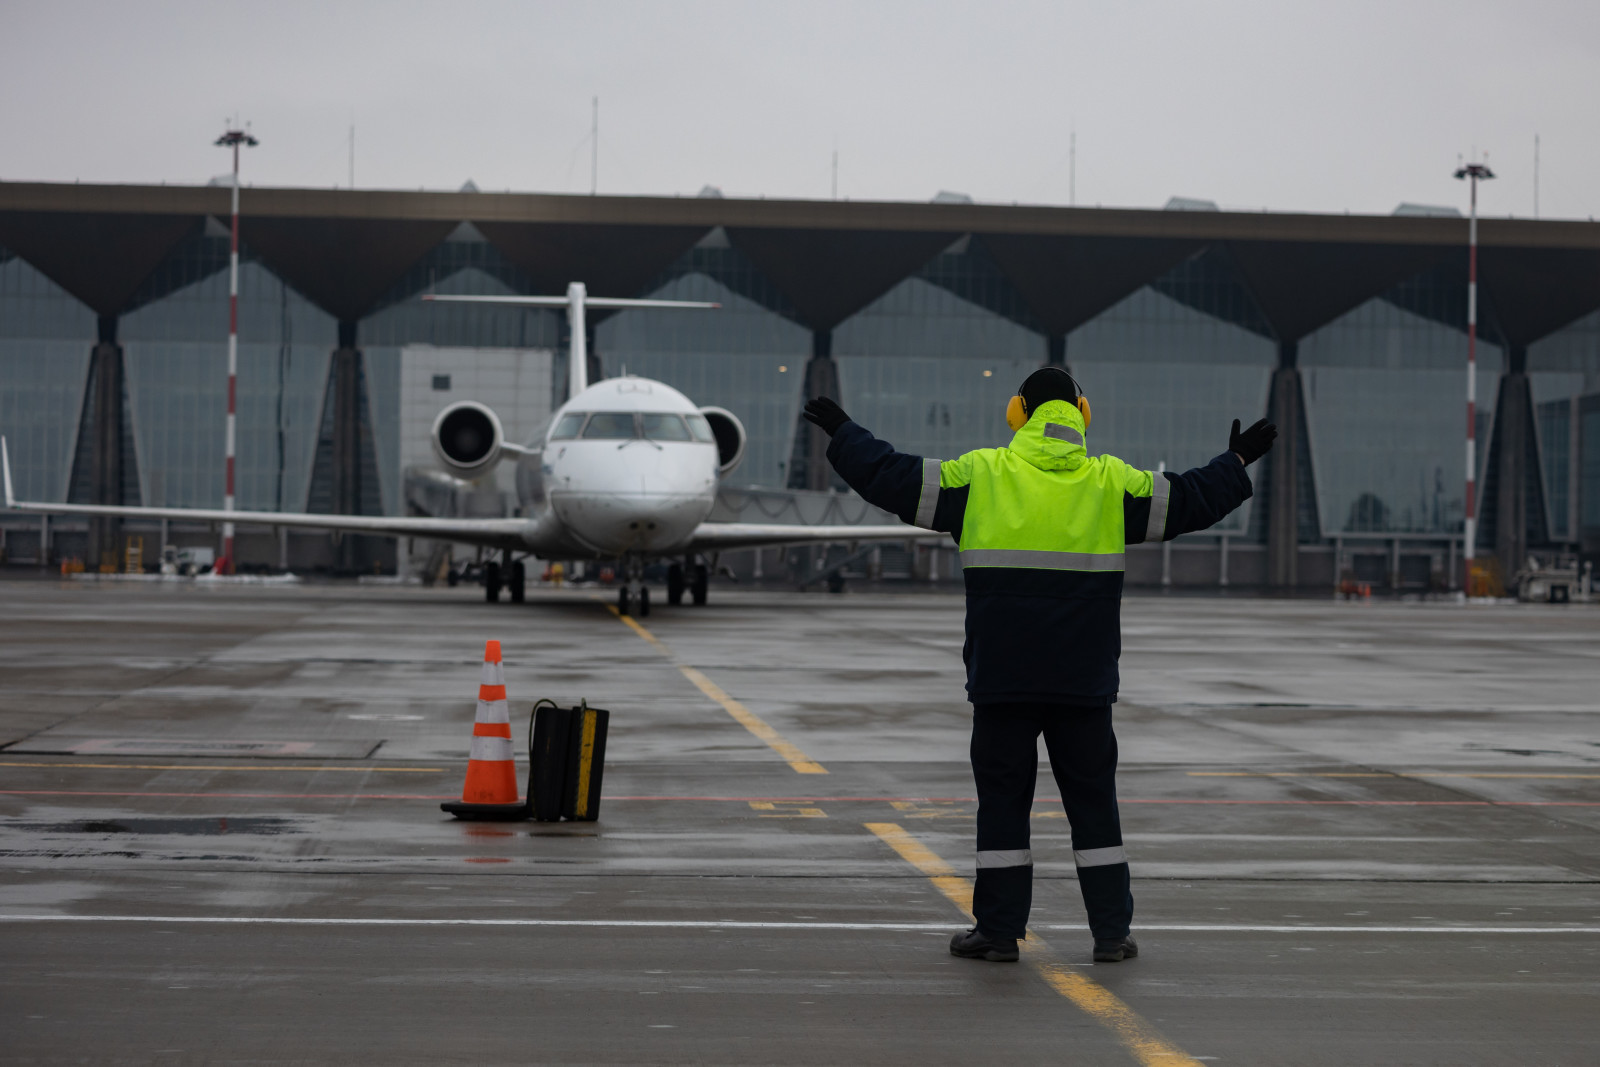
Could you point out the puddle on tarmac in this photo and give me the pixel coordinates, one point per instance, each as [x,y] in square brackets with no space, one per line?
[231,824]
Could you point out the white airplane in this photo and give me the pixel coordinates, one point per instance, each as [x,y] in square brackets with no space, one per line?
[626,469]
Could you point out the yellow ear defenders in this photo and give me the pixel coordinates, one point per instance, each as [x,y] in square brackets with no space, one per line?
[1017,412]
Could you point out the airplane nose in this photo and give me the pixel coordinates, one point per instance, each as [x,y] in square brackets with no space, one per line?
[632,522]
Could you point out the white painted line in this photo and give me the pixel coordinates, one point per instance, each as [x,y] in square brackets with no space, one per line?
[733,924]
[1244,928]
[664,924]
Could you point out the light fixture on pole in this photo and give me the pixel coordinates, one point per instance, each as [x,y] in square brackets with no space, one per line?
[232,139]
[1473,173]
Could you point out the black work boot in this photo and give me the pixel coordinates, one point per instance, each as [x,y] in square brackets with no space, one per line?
[975,945]
[1115,950]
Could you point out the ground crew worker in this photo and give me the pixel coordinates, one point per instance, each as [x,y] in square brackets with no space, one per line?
[1041,527]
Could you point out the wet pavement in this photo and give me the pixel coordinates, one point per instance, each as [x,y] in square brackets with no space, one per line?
[1360,833]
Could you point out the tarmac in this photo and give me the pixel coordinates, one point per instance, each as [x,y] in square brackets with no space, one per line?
[1361,832]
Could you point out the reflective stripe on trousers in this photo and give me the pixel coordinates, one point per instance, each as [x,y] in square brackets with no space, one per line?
[1005,857]
[1099,857]
[929,500]
[1036,560]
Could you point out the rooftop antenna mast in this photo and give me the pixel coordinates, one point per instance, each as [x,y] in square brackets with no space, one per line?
[352,155]
[594,149]
[1072,167]
[1535,175]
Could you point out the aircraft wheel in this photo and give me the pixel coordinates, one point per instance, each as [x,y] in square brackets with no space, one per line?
[491,582]
[644,601]
[675,584]
[697,587]
[519,582]
[624,602]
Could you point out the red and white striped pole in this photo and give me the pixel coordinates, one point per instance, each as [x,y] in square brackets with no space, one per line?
[232,139]
[1473,172]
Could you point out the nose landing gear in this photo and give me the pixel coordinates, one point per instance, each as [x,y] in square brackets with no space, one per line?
[633,590]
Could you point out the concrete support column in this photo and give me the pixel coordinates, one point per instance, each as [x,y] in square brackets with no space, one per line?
[1283,515]
[104,408]
[347,437]
[592,368]
[1055,350]
[808,465]
[1511,436]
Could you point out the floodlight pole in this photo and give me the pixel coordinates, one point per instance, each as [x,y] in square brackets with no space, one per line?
[1473,173]
[232,139]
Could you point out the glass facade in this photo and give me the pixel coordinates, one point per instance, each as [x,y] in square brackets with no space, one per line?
[1166,382]
[176,353]
[929,365]
[1563,368]
[45,339]
[1589,472]
[931,372]
[1385,390]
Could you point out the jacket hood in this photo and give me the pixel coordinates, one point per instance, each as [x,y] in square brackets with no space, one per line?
[1053,438]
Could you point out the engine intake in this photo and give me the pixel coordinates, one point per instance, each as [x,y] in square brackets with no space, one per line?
[730,435]
[467,438]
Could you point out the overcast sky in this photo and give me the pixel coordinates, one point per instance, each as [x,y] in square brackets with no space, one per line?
[1342,105]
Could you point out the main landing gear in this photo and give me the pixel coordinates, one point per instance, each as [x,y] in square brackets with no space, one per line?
[512,576]
[699,580]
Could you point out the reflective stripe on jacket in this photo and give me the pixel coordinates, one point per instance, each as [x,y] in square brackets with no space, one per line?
[1041,526]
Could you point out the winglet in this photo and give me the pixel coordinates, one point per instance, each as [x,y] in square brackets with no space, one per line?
[5,463]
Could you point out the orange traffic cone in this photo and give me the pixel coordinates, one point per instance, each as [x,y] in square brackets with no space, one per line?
[491,789]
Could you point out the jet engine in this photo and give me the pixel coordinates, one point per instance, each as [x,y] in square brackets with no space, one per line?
[730,435]
[467,438]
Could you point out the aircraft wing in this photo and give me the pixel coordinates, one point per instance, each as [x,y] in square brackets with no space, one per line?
[492,533]
[719,536]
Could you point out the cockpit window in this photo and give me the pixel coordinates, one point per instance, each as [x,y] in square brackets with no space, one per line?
[569,426]
[700,428]
[610,426]
[662,426]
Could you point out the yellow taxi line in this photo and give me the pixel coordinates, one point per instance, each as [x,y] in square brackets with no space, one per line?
[1146,1044]
[791,753]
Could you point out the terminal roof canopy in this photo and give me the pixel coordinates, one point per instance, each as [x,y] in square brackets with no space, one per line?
[1303,285]
[609,259]
[1536,291]
[343,265]
[829,275]
[108,244]
[1069,280]
[101,259]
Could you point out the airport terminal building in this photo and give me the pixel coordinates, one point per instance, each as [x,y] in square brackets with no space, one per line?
[921,318]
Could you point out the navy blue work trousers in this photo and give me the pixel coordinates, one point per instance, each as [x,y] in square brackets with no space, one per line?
[1005,764]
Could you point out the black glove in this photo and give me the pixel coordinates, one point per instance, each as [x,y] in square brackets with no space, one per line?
[826,414]
[1253,443]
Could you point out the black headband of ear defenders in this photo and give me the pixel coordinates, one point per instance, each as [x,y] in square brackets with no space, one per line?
[1048,383]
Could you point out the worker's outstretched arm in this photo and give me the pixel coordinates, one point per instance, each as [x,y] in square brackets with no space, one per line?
[909,486]
[1196,499]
